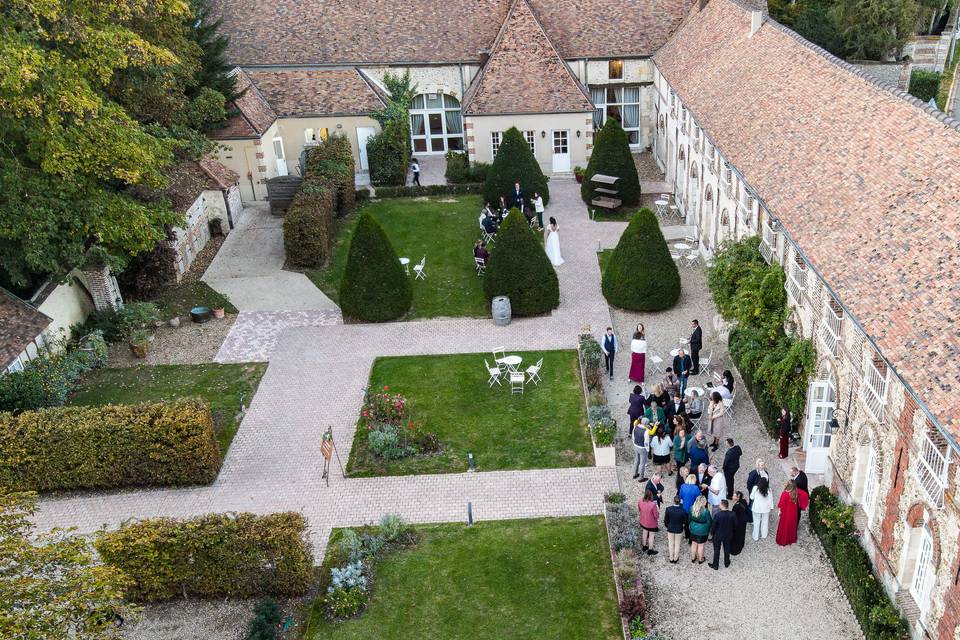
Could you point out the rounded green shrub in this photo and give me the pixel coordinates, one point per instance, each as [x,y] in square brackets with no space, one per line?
[308,227]
[388,153]
[611,156]
[641,275]
[520,269]
[514,163]
[375,287]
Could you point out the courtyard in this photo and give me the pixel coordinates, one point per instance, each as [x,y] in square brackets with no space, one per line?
[317,374]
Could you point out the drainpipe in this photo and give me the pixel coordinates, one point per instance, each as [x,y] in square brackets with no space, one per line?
[226,204]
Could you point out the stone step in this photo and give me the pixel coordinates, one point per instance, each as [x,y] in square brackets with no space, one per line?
[606,203]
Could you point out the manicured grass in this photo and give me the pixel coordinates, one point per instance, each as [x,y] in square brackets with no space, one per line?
[620,215]
[177,301]
[219,384]
[543,428]
[444,229]
[548,578]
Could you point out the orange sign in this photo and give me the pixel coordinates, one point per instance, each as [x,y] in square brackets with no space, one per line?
[326,448]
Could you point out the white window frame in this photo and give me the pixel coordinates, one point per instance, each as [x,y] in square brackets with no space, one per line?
[831,327]
[932,468]
[924,572]
[871,483]
[531,138]
[796,282]
[496,137]
[15,366]
[769,241]
[875,388]
[602,108]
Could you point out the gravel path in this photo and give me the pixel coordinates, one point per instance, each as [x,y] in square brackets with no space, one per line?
[769,591]
[190,343]
[191,620]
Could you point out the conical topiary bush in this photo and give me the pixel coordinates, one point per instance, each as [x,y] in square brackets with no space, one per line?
[641,275]
[375,287]
[520,269]
[611,156]
[514,163]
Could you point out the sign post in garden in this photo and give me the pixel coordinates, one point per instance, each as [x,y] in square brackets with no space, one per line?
[328,448]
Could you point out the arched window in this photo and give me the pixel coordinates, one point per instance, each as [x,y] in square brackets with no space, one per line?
[867,476]
[436,124]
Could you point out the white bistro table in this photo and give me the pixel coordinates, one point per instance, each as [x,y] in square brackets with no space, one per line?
[406,264]
[682,246]
[512,362]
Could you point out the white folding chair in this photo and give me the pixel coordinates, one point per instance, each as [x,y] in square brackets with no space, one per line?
[673,254]
[481,266]
[516,382]
[498,355]
[706,361]
[657,362]
[493,372]
[692,258]
[728,402]
[418,269]
[533,372]
[691,240]
[716,376]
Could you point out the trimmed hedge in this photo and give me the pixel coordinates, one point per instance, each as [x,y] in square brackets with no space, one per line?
[641,275]
[108,447]
[388,154]
[459,170]
[333,161]
[428,190]
[924,85]
[375,286]
[611,156]
[234,555]
[308,227]
[832,522]
[514,163]
[520,269]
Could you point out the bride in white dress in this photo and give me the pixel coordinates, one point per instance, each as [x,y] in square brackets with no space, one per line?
[552,244]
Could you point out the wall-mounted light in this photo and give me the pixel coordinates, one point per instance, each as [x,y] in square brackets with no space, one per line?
[543,134]
[339,126]
[578,133]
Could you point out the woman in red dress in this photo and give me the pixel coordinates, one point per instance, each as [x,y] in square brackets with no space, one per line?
[789,506]
[638,356]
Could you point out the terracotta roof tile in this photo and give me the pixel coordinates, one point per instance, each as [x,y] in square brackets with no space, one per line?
[254,115]
[316,92]
[863,178]
[402,31]
[186,181]
[524,73]
[221,175]
[20,324]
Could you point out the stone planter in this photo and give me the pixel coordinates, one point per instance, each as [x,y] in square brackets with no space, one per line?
[174,321]
[218,313]
[605,456]
[140,348]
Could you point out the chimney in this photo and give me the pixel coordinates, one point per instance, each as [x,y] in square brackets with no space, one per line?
[756,19]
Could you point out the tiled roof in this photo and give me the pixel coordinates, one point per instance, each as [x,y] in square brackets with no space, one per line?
[186,181]
[20,324]
[254,115]
[222,176]
[862,177]
[406,31]
[316,92]
[524,73]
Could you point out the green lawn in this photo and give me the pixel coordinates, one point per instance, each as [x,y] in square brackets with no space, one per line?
[219,384]
[548,578]
[444,229]
[543,428]
[178,300]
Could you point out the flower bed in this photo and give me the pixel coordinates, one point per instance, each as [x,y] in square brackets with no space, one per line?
[603,428]
[391,432]
[833,523]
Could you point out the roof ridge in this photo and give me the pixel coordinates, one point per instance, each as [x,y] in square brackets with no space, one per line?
[471,91]
[556,53]
[933,112]
[377,91]
[273,111]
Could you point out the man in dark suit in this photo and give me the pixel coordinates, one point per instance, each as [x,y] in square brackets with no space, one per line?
[682,367]
[722,530]
[676,407]
[517,199]
[799,479]
[731,464]
[696,343]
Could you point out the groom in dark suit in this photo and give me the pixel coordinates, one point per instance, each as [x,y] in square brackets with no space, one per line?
[517,199]
[696,343]
[683,367]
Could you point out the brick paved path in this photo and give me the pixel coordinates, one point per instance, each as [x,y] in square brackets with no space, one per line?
[318,370]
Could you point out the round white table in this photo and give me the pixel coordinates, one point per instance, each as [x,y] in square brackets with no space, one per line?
[512,362]
[683,246]
[662,203]
[690,391]
[406,264]
[674,352]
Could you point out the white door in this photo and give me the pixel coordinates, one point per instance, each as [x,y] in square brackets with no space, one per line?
[818,432]
[561,150]
[364,134]
[281,159]
[922,575]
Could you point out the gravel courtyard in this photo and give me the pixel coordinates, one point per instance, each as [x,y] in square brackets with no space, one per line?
[769,591]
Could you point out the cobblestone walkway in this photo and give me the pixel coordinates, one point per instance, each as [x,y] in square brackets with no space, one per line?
[318,370]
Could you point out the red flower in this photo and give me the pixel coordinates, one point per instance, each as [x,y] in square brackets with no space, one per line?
[363,413]
[386,388]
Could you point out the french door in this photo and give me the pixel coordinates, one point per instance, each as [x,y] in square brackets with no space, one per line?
[818,433]
[561,150]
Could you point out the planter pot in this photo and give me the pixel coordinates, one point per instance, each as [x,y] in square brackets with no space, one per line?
[200,314]
[139,349]
[218,313]
[579,178]
[605,456]
[174,322]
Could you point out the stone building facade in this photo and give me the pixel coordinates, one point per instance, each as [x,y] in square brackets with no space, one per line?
[821,188]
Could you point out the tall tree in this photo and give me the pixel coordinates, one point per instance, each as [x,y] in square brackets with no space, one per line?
[51,588]
[874,29]
[214,68]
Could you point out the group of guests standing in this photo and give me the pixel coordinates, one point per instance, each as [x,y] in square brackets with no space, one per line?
[492,217]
